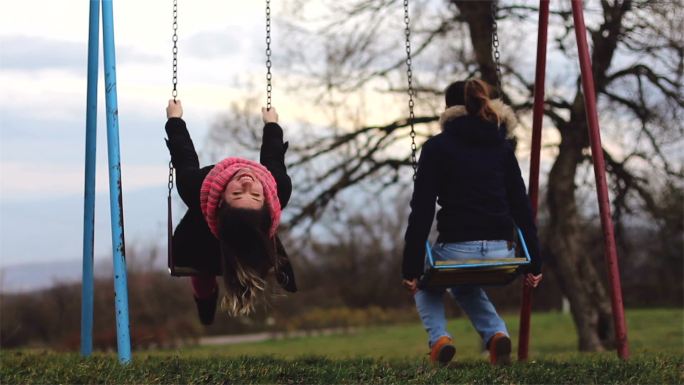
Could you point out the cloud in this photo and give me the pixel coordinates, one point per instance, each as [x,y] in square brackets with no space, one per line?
[35,53]
[50,229]
[212,44]
[29,53]
[23,181]
[125,55]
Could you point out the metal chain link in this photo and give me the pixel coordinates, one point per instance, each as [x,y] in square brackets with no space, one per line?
[174,80]
[174,93]
[495,48]
[411,92]
[268,55]
[170,177]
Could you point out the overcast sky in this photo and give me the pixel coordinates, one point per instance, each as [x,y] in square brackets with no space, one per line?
[43,65]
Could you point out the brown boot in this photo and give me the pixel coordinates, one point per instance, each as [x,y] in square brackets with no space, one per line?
[442,351]
[499,347]
[206,308]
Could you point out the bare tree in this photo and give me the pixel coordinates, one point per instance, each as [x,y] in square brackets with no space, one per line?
[355,53]
[642,85]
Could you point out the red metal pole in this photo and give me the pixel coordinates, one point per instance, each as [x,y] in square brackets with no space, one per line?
[538,115]
[601,185]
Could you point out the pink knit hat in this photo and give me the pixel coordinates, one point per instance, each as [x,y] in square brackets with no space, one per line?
[216,181]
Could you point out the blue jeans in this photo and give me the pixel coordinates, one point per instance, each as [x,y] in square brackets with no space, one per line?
[471,298]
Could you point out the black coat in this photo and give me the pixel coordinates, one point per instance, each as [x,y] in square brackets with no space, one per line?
[472,173]
[193,243]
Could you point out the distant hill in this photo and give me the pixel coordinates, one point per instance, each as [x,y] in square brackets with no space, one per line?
[41,242]
[41,275]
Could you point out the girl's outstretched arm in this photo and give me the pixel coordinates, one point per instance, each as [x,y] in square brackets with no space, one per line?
[189,177]
[272,154]
[183,154]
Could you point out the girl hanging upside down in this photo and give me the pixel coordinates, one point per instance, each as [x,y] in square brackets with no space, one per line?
[472,172]
[232,219]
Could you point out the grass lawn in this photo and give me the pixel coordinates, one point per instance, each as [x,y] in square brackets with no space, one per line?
[553,336]
[393,354]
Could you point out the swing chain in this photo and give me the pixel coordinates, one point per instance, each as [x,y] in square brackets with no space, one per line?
[170,177]
[495,47]
[268,55]
[411,92]
[174,93]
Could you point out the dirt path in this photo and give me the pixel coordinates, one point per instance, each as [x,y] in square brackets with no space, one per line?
[267,336]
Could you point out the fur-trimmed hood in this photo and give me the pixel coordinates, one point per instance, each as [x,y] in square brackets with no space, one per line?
[506,114]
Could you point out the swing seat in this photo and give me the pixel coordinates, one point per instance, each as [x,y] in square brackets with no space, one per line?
[443,274]
[179,267]
[183,271]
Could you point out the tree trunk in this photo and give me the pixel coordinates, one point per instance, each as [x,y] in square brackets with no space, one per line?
[580,280]
[478,16]
[578,277]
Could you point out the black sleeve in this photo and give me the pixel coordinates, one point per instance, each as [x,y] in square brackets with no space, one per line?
[422,212]
[183,154]
[521,210]
[189,176]
[272,156]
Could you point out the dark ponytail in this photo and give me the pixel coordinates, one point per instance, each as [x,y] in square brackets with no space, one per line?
[247,255]
[477,100]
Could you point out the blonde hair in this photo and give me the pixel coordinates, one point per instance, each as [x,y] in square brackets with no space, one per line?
[241,299]
[247,257]
[477,101]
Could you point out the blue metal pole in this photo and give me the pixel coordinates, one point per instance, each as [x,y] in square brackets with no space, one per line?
[89,199]
[115,193]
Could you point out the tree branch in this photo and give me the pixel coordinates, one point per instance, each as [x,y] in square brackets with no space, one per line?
[339,141]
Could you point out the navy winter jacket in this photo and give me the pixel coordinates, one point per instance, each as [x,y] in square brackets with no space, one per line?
[472,173]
